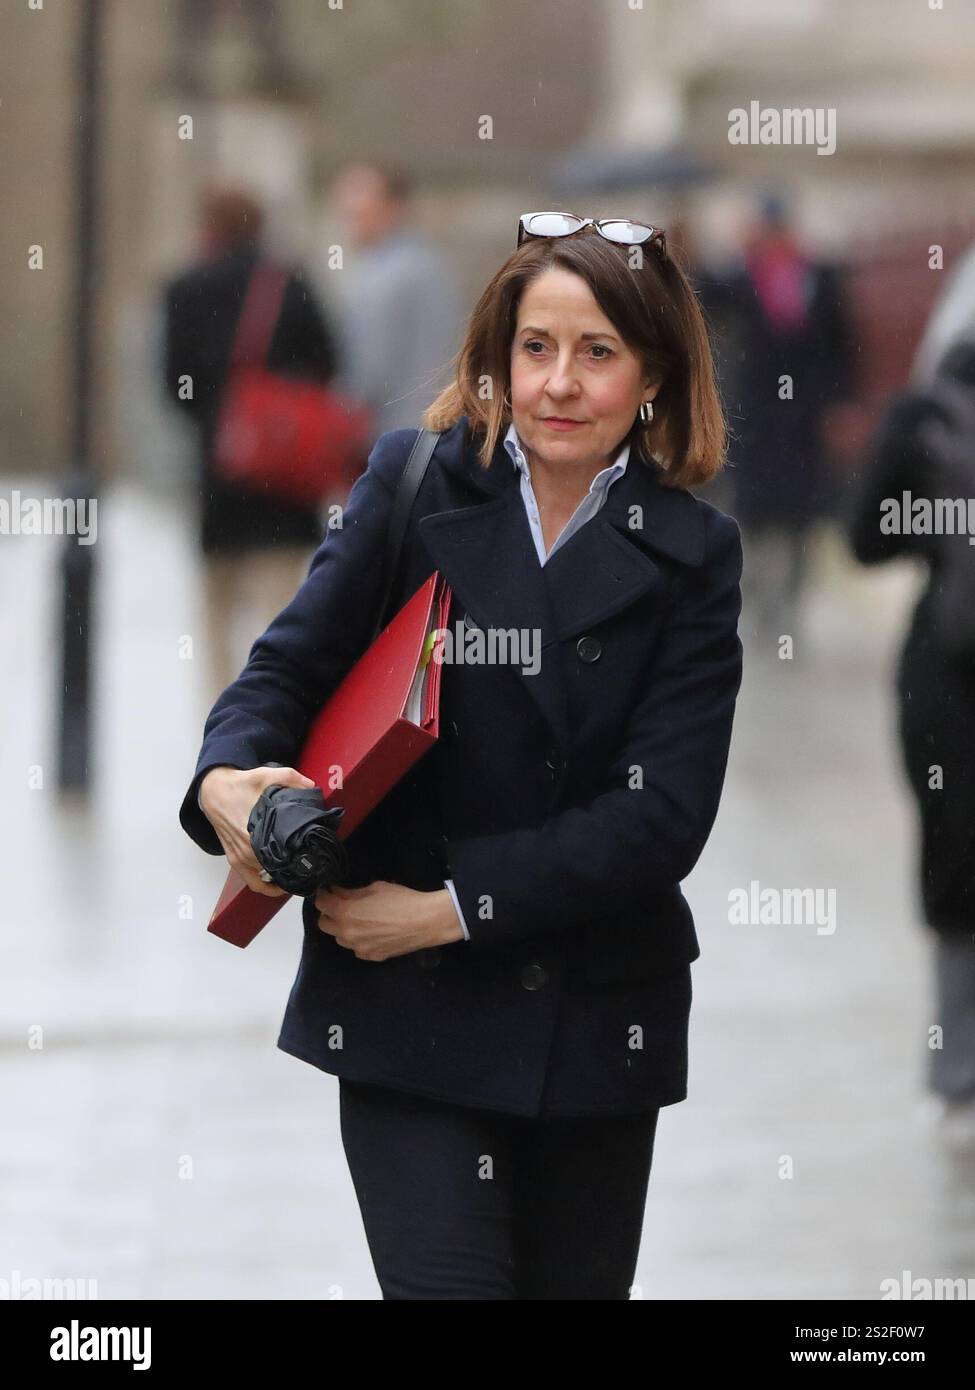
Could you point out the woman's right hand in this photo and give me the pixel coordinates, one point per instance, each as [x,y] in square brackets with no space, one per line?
[228,795]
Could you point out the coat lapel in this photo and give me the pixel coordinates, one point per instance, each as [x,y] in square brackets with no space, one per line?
[488,558]
[487,555]
[614,558]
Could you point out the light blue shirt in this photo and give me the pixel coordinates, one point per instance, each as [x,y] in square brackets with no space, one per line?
[586,510]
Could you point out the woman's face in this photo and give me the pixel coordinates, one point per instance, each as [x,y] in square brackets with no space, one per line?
[568,363]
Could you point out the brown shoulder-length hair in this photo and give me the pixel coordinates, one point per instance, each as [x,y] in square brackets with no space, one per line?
[654,308]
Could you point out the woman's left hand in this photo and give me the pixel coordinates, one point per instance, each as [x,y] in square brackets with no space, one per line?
[387,919]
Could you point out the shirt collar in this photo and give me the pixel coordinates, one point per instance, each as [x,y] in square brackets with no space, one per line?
[603,478]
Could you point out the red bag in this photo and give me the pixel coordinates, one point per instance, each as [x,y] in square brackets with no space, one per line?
[277,434]
[380,721]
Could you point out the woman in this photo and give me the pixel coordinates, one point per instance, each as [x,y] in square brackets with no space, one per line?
[923,448]
[255,546]
[503,984]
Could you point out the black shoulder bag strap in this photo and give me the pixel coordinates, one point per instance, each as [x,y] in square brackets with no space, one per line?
[406,490]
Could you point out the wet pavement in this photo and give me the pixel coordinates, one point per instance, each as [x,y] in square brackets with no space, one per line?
[156,1141]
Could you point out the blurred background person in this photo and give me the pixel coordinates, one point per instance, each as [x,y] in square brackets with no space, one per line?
[256,546]
[400,317]
[952,321]
[790,360]
[925,445]
[717,284]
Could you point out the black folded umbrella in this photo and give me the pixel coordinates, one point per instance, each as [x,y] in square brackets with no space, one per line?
[294,837]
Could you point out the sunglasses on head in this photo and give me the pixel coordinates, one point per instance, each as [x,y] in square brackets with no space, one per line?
[619,229]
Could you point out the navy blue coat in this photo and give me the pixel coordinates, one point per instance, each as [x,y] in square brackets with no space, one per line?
[566,805]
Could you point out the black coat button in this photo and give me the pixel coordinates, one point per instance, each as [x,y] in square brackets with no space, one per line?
[428,958]
[589,648]
[533,977]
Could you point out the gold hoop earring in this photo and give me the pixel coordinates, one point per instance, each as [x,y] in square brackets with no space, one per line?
[506,402]
[646,412]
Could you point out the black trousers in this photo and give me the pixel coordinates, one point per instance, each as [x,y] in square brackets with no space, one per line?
[462,1203]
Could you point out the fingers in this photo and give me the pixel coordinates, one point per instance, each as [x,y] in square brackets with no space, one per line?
[241,857]
[257,885]
[277,776]
[236,841]
[253,879]
[285,777]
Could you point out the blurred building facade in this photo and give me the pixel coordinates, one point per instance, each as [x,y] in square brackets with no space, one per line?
[478,100]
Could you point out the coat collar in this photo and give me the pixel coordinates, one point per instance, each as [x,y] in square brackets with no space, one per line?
[672,523]
[486,553]
[602,480]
